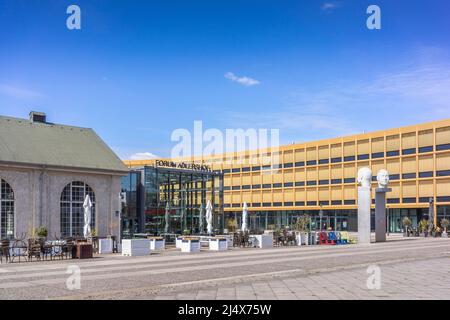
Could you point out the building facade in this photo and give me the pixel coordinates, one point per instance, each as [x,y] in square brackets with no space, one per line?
[170,199]
[318,178]
[46,170]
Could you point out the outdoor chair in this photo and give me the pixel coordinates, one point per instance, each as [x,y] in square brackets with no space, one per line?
[323,238]
[279,238]
[291,238]
[332,238]
[246,239]
[34,249]
[344,238]
[67,248]
[5,251]
[57,249]
[236,240]
[46,249]
[19,250]
[94,241]
[339,238]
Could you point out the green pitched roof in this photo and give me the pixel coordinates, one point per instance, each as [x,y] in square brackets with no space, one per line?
[26,142]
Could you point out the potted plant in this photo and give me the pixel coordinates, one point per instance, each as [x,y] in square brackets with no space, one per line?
[42,232]
[423,228]
[302,229]
[444,224]
[406,224]
[437,232]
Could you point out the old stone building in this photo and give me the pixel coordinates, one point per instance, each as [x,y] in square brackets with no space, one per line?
[46,170]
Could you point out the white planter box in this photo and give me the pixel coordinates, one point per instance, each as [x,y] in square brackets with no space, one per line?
[313,238]
[229,239]
[302,239]
[190,246]
[178,242]
[105,246]
[135,247]
[157,244]
[263,240]
[218,244]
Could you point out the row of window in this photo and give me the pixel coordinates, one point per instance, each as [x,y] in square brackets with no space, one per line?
[71,203]
[333,202]
[392,177]
[375,155]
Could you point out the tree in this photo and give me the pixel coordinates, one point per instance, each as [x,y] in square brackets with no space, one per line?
[406,224]
[302,224]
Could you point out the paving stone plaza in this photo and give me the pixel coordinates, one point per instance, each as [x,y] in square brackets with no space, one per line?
[409,268]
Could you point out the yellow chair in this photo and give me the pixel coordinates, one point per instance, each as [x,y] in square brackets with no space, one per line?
[344,237]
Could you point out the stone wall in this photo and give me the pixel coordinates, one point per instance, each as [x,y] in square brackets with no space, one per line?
[37,194]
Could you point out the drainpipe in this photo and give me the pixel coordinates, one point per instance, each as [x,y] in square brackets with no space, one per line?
[41,196]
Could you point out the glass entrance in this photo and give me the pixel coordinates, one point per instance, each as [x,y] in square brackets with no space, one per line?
[176,200]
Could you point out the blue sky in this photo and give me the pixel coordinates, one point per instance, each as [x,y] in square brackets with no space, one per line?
[137,70]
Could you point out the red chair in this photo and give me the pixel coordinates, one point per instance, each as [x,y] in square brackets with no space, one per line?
[323,238]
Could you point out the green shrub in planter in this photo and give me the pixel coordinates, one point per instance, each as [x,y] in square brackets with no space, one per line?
[423,226]
[42,232]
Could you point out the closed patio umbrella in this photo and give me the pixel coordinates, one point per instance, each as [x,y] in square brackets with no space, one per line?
[209,217]
[244,217]
[166,227]
[87,205]
[200,218]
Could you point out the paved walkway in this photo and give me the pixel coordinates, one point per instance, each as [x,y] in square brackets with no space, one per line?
[412,268]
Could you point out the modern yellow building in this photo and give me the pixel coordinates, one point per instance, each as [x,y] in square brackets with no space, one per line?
[318,178]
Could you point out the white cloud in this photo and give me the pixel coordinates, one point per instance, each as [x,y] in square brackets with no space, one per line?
[143,156]
[245,81]
[329,6]
[19,92]
[408,95]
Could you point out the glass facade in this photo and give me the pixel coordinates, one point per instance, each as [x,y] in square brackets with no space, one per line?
[258,221]
[172,201]
[131,189]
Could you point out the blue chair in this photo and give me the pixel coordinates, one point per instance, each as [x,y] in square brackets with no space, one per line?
[332,238]
[340,239]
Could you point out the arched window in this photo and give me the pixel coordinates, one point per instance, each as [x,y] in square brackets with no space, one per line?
[72,211]
[6,211]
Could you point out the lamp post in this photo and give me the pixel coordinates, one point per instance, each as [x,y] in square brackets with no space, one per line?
[388,220]
[320,217]
[431,213]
